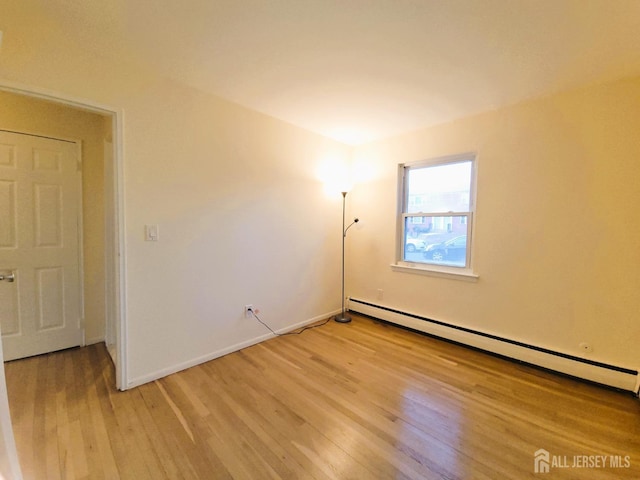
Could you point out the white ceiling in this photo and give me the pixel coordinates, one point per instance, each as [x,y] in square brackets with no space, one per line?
[359,70]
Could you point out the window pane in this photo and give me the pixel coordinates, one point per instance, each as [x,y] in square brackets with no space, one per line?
[438,240]
[439,189]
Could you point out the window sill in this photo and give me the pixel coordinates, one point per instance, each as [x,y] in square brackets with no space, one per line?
[443,272]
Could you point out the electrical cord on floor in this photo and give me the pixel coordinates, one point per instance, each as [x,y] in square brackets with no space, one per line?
[309,327]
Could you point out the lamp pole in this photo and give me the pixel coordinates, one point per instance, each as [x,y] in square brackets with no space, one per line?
[342,317]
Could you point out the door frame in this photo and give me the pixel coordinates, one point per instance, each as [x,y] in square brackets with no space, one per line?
[116,244]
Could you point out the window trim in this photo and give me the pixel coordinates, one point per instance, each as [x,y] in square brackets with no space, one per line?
[447,271]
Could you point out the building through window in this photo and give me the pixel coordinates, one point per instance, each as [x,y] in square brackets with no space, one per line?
[437,212]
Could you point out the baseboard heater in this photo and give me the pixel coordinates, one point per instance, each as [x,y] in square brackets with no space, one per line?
[594,371]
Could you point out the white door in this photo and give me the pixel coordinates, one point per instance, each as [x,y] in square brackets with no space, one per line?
[40,215]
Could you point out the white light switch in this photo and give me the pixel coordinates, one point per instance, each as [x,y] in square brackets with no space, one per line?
[151,233]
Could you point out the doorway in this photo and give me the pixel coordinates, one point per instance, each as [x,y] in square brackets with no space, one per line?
[98,130]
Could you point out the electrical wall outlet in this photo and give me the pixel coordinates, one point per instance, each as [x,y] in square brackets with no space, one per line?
[247,311]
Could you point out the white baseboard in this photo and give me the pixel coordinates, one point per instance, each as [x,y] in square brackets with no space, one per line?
[136,382]
[599,372]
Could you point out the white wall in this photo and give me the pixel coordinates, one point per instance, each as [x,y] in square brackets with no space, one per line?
[556,238]
[242,216]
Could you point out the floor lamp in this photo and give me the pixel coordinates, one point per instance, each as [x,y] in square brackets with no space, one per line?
[342,317]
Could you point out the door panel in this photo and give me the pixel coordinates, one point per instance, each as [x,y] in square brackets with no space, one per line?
[8,219]
[7,155]
[39,243]
[47,210]
[49,298]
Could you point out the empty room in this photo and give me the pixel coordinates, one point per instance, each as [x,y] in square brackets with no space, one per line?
[319,239]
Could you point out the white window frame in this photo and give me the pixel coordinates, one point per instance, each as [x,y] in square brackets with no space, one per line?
[401,265]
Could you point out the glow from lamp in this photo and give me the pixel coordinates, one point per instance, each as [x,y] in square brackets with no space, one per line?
[335,174]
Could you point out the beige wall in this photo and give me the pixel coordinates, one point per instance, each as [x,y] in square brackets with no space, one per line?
[242,217]
[556,235]
[29,115]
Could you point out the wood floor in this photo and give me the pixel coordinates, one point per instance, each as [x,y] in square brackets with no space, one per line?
[358,401]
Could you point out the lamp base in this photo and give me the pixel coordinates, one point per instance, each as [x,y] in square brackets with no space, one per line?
[342,318]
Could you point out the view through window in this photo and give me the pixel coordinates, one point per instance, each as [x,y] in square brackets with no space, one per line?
[437,212]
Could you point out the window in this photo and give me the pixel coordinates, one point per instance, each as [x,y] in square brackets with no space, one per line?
[437,214]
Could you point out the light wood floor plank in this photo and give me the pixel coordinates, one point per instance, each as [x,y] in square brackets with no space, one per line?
[364,400]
